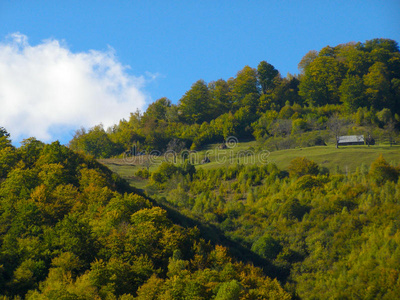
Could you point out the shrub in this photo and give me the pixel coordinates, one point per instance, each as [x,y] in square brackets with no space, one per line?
[301,166]
[143,173]
[381,171]
[267,247]
[229,291]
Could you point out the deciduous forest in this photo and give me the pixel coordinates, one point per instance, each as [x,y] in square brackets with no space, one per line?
[355,85]
[70,228]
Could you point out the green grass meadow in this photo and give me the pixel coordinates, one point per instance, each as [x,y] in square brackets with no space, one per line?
[345,158]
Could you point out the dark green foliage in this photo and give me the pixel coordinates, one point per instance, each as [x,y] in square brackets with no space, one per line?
[250,101]
[19,183]
[266,75]
[95,142]
[143,173]
[8,159]
[293,209]
[195,104]
[188,169]
[164,172]
[30,150]
[221,96]
[267,247]
[167,171]
[158,109]
[352,93]
[4,138]
[75,236]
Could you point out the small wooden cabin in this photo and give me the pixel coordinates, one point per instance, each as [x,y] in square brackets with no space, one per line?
[347,140]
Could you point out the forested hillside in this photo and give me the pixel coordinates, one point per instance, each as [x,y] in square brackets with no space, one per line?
[353,87]
[70,229]
[327,236]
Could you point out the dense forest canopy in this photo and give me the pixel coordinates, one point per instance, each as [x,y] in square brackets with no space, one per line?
[358,82]
[325,235]
[71,229]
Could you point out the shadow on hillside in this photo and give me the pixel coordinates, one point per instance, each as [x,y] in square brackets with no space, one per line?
[217,237]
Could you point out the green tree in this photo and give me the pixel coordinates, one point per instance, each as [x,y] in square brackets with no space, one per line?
[354,59]
[378,86]
[151,290]
[385,116]
[27,276]
[91,177]
[267,247]
[4,138]
[19,183]
[381,171]
[8,159]
[380,43]
[194,106]
[75,235]
[299,126]
[229,291]
[172,113]
[266,74]
[251,101]
[54,204]
[30,150]
[158,109]
[95,142]
[126,133]
[321,81]
[221,95]
[307,60]
[245,83]
[52,175]
[301,166]
[352,93]
[286,91]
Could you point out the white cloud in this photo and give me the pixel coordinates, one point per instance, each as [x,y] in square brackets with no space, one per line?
[47,87]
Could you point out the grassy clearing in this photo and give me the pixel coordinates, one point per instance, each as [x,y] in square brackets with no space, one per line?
[347,158]
[126,170]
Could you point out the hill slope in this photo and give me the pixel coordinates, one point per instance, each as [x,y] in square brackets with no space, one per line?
[327,236]
[71,229]
[346,158]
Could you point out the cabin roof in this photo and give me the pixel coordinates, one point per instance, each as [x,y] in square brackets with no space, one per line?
[351,139]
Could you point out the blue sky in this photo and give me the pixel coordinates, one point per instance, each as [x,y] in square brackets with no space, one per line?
[168,45]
